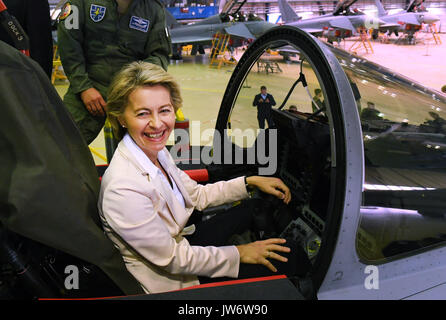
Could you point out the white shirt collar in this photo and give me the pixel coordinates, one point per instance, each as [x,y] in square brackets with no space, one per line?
[150,167]
[140,156]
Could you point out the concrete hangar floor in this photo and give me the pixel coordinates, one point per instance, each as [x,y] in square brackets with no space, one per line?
[203,87]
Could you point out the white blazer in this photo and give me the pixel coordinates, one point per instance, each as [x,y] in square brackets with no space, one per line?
[145,220]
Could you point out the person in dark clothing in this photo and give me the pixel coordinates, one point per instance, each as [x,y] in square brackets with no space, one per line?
[318,99]
[292,109]
[264,101]
[371,113]
[438,123]
[34,17]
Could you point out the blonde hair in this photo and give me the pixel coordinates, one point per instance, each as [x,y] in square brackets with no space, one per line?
[131,77]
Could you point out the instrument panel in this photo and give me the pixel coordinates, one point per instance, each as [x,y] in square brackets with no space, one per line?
[304,166]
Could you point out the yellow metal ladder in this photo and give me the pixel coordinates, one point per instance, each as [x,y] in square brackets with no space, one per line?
[219,48]
[363,41]
[57,72]
[432,28]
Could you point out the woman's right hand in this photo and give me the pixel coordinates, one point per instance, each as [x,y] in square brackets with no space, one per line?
[271,185]
[260,251]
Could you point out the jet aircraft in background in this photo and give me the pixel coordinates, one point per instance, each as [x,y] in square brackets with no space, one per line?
[409,21]
[202,32]
[341,23]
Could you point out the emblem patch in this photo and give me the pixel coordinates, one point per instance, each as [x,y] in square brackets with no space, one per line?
[97,13]
[65,12]
[139,24]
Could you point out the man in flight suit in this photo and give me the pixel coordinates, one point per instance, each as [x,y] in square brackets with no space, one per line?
[110,34]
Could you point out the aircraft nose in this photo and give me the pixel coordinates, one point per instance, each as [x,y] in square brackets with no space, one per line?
[430,18]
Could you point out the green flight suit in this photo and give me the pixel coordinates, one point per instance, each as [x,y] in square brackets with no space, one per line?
[105,42]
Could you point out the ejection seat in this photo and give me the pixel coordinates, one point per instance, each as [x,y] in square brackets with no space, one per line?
[48,195]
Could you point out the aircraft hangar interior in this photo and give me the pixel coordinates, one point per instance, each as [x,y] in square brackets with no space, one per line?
[344,101]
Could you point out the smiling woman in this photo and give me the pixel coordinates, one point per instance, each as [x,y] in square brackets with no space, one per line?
[149,119]
[146,201]
[131,88]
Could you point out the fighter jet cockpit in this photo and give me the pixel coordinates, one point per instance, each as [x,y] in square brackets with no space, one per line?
[383,209]
[297,141]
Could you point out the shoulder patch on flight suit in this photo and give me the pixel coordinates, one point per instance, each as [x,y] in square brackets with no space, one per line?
[97,13]
[139,24]
[65,12]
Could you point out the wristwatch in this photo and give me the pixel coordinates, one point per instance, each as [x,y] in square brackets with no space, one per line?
[248,188]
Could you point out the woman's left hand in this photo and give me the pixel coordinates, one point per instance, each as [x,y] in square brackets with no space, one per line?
[271,185]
